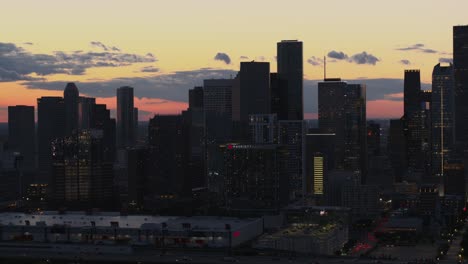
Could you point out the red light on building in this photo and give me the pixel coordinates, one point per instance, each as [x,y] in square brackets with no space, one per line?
[236,233]
[229,146]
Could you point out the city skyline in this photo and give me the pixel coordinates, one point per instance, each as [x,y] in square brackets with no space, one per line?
[132,45]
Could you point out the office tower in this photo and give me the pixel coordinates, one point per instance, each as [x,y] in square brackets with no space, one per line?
[85,111]
[253,95]
[290,75]
[82,178]
[342,111]
[417,126]
[454,178]
[460,69]
[21,133]
[319,159]
[101,119]
[71,97]
[291,135]
[217,105]
[125,117]
[263,129]
[50,125]
[135,119]
[255,176]
[139,173]
[397,149]
[167,135]
[373,138]
[442,117]
[196,123]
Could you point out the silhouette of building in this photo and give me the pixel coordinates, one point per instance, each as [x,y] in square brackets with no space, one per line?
[125,117]
[373,138]
[50,125]
[71,97]
[442,118]
[454,178]
[397,149]
[460,68]
[290,75]
[319,159]
[82,177]
[417,126]
[255,176]
[167,135]
[85,111]
[342,111]
[264,129]
[101,119]
[196,122]
[22,134]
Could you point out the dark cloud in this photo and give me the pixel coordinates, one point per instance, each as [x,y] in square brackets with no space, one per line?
[445,60]
[171,86]
[28,43]
[364,58]
[417,47]
[314,61]
[243,58]
[339,55]
[223,57]
[405,62]
[101,45]
[149,69]
[18,64]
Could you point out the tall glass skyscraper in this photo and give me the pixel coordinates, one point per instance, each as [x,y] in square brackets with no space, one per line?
[460,68]
[125,117]
[290,75]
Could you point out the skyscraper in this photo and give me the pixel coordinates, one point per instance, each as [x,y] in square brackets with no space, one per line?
[290,75]
[417,125]
[50,126]
[342,111]
[82,177]
[217,106]
[460,68]
[196,123]
[71,97]
[125,117]
[85,110]
[21,133]
[442,117]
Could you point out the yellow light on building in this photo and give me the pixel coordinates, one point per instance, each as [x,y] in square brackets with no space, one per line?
[318,175]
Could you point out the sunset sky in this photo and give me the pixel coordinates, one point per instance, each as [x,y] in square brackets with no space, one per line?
[163,48]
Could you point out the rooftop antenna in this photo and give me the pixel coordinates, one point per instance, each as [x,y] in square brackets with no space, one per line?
[324,67]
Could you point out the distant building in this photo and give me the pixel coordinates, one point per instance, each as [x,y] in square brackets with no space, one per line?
[22,134]
[319,151]
[397,149]
[81,178]
[50,126]
[373,138]
[454,178]
[85,112]
[197,152]
[342,111]
[442,119]
[255,176]
[460,69]
[71,98]
[125,117]
[264,128]
[290,76]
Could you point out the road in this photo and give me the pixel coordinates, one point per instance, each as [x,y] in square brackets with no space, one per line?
[452,253]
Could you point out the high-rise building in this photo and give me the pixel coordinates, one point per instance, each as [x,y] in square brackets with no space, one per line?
[125,117]
[460,68]
[342,111]
[255,176]
[397,149]
[21,133]
[85,111]
[101,119]
[50,126]
[263,129]
[442,117]
[417,126]
[290,75]
[82,178]
[72,98]
[135,119]
[167,135]
[254,95]
[454,178]
[373,138]
[196,123]
[217,106]
[319,152]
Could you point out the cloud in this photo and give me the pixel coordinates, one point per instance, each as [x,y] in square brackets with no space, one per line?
[314,61]
[364,58]
[445,60]
[243,58]
[149,69]
[170,86]
[28,43]
[394,96]
[101,45]
[417,47]
[339,55]
[19,64]
[261,58]
[223,57]
[405,62]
